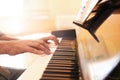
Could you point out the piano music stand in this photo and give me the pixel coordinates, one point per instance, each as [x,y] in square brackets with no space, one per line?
[103,11]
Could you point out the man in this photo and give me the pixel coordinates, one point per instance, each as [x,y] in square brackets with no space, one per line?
[13,46]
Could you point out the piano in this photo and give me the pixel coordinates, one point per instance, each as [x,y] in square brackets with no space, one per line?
[63,64]
[68,62]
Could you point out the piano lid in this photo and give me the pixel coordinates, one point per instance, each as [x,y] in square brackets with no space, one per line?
[94,12]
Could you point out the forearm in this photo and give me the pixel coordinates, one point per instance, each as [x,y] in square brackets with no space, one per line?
[3,47]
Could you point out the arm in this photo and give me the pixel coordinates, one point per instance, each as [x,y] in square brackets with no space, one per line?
[13,46]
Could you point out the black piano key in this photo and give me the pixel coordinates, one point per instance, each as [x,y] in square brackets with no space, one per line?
[62,61]
[62,65]
[63,58]
[61,68]
[66,46]
[61,71]
[64,53]
[60,75]
[65,50]
[64,41]
[57,78]
[55,71]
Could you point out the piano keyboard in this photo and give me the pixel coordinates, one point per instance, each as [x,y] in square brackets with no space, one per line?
[64,63]
[61,65]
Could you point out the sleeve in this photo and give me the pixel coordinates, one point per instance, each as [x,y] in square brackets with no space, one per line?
[1,33]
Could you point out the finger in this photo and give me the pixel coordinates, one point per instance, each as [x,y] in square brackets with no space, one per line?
[33,50]
[42,48]
[52,37]
[45,45]
[45,49]
[37,44]
[40,45]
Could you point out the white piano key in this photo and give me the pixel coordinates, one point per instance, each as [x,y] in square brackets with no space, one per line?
[35,71]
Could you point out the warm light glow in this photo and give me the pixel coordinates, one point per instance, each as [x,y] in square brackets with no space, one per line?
[11,7]
[14,27]
[11,11]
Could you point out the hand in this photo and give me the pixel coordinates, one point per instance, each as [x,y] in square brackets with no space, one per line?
[21,46]
[52,37]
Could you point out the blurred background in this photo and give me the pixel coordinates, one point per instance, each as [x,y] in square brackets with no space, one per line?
[18,17]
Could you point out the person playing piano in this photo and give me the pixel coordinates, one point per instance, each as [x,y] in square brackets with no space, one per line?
[13,46]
